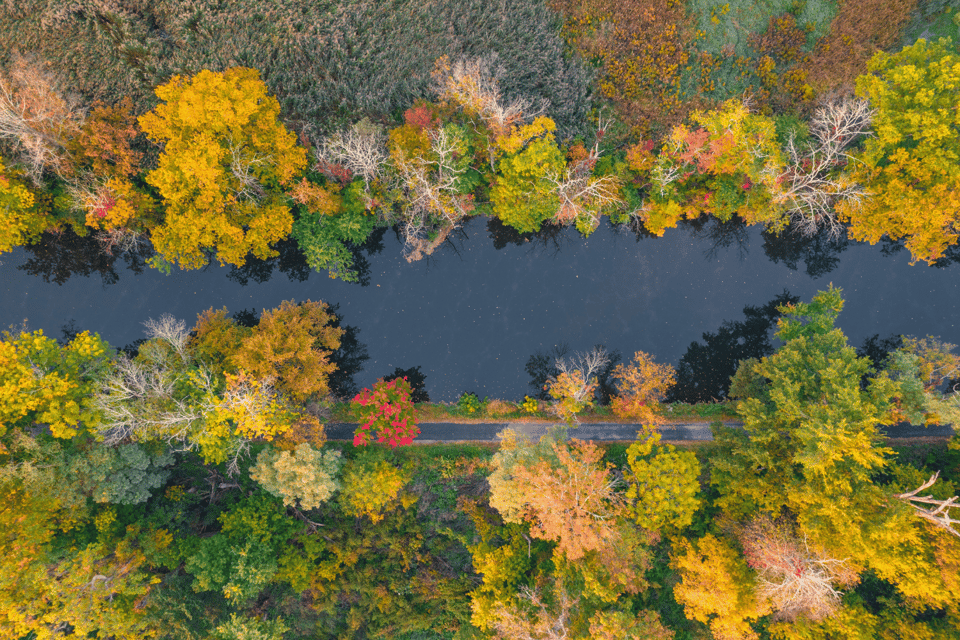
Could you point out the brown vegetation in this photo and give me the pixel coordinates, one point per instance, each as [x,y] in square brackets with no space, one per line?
[860,29]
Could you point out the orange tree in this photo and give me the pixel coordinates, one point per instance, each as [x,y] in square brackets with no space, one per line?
[225,157]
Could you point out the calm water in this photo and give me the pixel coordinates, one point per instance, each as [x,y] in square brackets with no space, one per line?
[472,315]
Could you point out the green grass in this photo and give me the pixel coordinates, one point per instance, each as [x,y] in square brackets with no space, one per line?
[933,20]
[726,23]
[442,412]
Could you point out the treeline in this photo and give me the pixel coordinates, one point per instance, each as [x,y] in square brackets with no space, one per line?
[183,488]
[212,170]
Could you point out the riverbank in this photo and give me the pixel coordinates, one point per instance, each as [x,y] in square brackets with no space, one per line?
[503,411]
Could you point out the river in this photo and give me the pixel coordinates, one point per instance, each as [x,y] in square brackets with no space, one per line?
[472,314]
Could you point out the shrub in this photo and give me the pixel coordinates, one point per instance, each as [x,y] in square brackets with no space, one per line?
[859,30]
[469,403]
[499,408]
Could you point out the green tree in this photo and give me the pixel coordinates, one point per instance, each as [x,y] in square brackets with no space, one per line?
[523,195]
[911,167]
[225,157]
[811,448]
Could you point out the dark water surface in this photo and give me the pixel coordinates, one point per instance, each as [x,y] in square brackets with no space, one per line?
[471,315]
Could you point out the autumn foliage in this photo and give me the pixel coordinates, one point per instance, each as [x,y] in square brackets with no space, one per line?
[291,345]
[225,156]
[642,384]
[572,503]
[386,412]
[717,588]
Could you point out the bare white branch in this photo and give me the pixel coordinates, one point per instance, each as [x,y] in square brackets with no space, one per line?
[170,330]
[137,402]
[811,186]
[433,203]
[242,165]
[37,116]
[474,84]
[939,512]
[360,149]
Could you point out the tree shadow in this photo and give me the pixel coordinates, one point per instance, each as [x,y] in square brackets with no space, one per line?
[61,255]
[950,256]
[819,253]
[417,380]
[721,235]
[349,358]
[704,371]
[550,238]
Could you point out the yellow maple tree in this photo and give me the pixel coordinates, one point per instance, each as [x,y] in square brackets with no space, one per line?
[911,167]
[225,157]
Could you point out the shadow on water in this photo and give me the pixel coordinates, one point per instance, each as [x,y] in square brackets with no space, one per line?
[417,380]
[720,235]
[59,256]
[894,247]
[550,237]
[293,263]
[541,366]
[349,358]
[820,254]
[705,369]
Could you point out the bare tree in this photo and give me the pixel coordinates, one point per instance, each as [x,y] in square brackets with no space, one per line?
[433,204]
[361,150]
[577,380]
[583,195]
[939,511]
[170,330]
[811,186]
[37,116]
[793,578]
[542,622]
[589,364]
[137,401]
[474,84]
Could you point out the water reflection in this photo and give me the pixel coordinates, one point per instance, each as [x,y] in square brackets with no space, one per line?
[59,256]
[951,256]
[417,380]
[472,319]
[820,254]
[721,235]
[293,263]
[549,238]
[705,369]
[349,358]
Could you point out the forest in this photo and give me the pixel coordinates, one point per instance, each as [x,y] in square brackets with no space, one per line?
[183,486]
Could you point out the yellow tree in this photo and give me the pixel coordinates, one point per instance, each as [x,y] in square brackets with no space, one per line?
[716,587]
[225,157]
[22,216]
[291,345]
[911,167]
[42,382]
